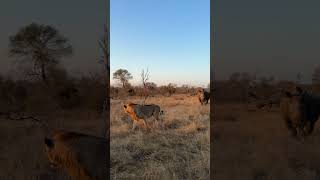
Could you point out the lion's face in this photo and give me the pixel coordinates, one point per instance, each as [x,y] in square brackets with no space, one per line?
[128,108]
[200,91]
[50,152]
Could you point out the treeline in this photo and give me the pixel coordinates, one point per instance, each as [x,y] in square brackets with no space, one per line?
[154,90]
[59,93]
[239,85]
[47,86]
[147,88]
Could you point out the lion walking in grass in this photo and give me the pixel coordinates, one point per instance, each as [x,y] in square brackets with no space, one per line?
[140,113]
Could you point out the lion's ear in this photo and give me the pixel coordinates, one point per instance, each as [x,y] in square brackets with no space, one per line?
[49,142]
[125,106]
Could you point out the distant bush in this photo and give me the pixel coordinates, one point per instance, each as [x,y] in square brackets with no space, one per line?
[13,95]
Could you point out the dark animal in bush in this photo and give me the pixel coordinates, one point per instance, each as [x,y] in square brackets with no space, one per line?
[300,111]
[131,92]
[68,97]
[203,96]
[265,102]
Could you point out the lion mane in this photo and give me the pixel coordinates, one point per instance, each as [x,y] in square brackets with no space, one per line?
[82,156]
[203,96]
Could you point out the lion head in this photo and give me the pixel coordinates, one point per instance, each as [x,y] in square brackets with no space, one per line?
[129,108]
[82,156]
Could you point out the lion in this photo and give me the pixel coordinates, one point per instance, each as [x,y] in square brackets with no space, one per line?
[139,113]
[83,157]
[300,110]
[203,96]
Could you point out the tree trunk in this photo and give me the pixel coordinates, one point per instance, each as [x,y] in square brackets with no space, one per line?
[43,73]
[107,100]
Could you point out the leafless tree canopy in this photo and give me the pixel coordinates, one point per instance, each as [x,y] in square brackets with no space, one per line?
[144,78]
[105,48]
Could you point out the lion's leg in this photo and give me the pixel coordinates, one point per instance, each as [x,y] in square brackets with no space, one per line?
[200,101]
[309,127]
[270,106]
[145,125]
[134,125]
[156,120]
[134,122]
[159,121]
[300,129]
[293,132]
[292,129]
[156,115]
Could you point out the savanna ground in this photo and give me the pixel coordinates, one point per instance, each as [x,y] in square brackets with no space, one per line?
[22,154]
[22,150]
[178,150]
[254,144]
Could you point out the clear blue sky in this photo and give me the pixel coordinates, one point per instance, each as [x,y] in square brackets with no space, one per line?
[169,37]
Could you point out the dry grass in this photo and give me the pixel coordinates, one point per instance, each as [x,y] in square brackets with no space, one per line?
[255,145]
[179,150]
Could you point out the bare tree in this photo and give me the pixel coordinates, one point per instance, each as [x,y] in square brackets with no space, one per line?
[105,59]
[144,78]
[105,50]
[42,44]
